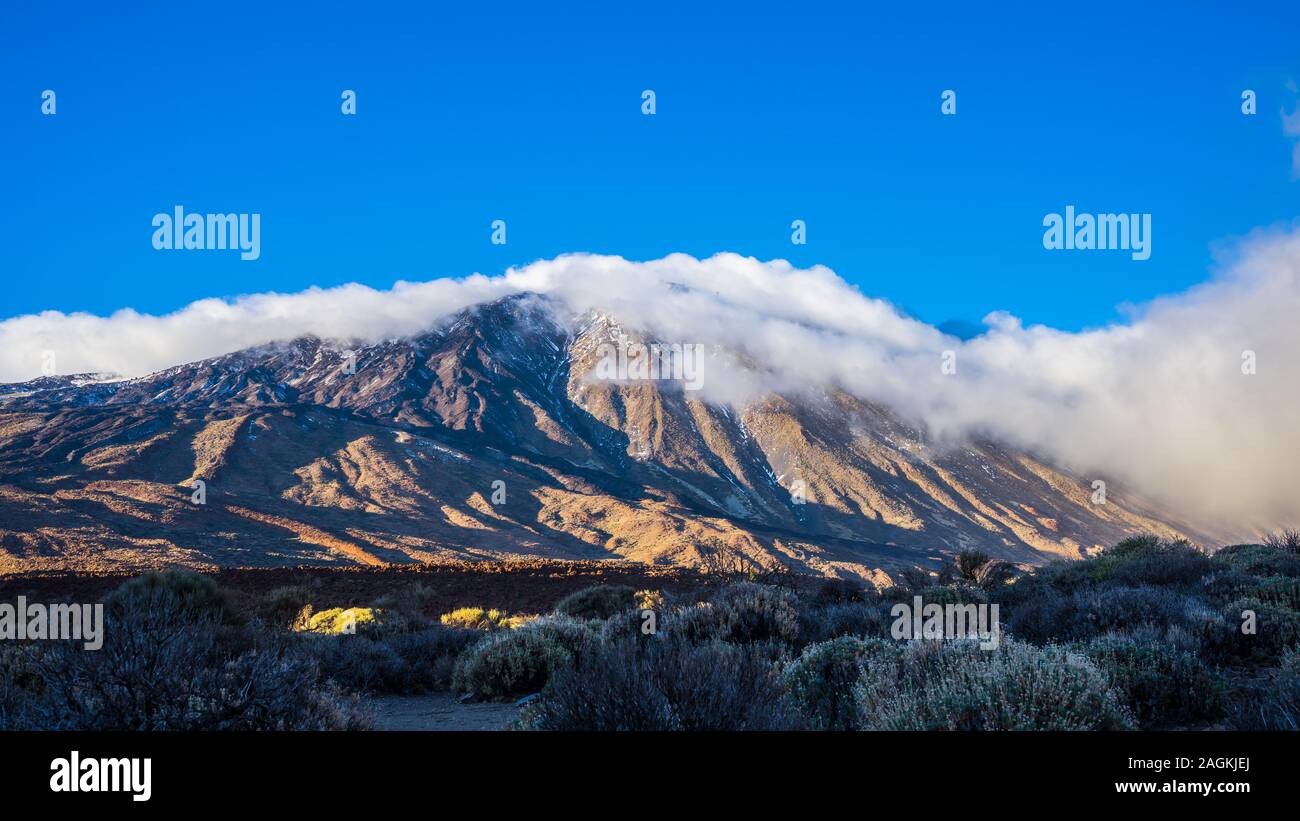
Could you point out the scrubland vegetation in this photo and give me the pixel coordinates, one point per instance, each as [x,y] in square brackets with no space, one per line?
[1145,635]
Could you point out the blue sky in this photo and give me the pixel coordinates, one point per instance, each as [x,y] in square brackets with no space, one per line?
[765,115]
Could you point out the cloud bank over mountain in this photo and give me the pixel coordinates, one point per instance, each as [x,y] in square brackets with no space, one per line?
[1161,402]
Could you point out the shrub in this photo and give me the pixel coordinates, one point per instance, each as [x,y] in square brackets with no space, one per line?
[1227,584]
[1276,626]
[1136,561]
[969,563]
[1119,607]
[1135,547]
[340,620]
[476,618]
[1260,560]
[1160,684]
[842,591]
[271,690]
[413,662]
[166,665]
[1271,702]
[1286,540]
[749,612]
[192,591]
[430,655]
[282,605]
[649,600]
[360,662]
[411,600]
[957,686]
[821,681]
[599,602]
[1171,568]
[960,593]
[631,625]
[995,574]
[818,624]
[1066,576]
[1281,590]
[517,662]
[911,578]
[1050,616]
[665,684]
[696,624]
[20,684]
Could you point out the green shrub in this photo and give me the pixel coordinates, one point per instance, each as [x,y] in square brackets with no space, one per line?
[1227,584]
[1160,684]
[1135,547]
[1067,576]
[821,681]
[1136,561]
[599,602]
[1283,590]
[1184,566]
[1259,560]
[955,685]
[959,593]
[511,663]
[1276,629]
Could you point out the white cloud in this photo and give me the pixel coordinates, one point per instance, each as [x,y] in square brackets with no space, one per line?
[1160,401]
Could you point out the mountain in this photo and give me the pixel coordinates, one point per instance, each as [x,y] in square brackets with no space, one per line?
[319,452]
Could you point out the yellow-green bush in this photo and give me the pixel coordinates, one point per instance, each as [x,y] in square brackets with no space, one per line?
[478,618]
[339,620]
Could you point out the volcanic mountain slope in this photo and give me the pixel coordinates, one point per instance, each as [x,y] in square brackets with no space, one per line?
[490,437]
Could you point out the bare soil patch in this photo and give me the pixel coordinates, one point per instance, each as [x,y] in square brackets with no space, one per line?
[440,711]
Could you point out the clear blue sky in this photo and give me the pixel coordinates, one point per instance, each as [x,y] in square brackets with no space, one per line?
[532,115]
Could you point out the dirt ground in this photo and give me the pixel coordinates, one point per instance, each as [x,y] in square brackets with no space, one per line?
[530,586]
[439,711]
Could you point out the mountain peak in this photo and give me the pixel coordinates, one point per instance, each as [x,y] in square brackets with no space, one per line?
[492,435]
